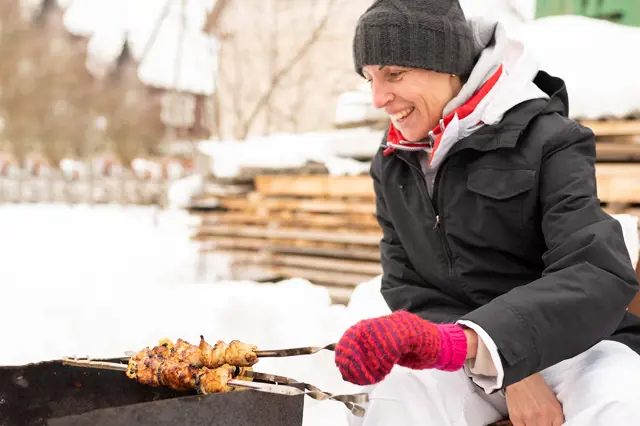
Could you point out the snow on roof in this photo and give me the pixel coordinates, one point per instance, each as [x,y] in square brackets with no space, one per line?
[178,56]
[335,149]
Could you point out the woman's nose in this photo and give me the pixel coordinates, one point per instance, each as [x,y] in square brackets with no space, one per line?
[381,95]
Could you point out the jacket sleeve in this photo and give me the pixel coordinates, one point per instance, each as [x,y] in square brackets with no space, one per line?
[588,280]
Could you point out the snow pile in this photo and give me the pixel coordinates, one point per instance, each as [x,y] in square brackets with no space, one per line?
[294,150]
[79,277]
[356,107]
[581,51]
[511,13]
[179,56]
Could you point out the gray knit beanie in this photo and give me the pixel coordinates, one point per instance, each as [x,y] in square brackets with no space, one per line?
[428,34]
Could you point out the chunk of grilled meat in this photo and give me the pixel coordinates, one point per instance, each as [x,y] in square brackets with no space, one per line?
[235,353]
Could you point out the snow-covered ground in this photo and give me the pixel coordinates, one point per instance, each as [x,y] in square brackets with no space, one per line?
[82,280]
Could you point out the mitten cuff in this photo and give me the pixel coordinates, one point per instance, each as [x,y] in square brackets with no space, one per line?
[453,351]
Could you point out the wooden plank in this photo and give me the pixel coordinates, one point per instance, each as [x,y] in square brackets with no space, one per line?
[322,277]
[618,183]
[310,262]
[288,218]
[617,152]
[315,186]
[311,205]
[619,139]
[613,127]
[292,233]
[292,246]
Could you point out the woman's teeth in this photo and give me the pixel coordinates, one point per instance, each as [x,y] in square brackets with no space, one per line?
[402,114]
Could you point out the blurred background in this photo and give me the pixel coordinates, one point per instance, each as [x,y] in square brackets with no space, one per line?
[217,151]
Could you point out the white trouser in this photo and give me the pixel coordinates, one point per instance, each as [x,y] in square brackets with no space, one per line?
[599,387]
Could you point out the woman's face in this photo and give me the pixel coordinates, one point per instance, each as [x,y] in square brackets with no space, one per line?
[413,98]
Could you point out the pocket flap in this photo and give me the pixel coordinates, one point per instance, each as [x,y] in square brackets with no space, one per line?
[500,184]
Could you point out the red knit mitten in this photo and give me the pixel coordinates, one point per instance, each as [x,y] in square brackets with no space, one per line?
[368,350]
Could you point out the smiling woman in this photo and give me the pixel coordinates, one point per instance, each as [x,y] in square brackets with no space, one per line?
[506,280]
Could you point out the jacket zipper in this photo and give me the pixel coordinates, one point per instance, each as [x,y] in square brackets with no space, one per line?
[439,220]
[434,208]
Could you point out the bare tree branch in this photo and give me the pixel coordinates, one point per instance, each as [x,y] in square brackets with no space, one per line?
[211,23]
[283,72]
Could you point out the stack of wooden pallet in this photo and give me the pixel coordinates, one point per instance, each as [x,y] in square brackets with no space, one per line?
[315,226]
[618,168]
[323,228]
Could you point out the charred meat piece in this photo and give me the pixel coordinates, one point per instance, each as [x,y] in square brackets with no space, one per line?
[235,353]
[241,354]
[183,351]
[215,380]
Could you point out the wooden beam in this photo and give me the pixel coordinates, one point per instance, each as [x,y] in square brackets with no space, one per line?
[279,218]
[289,234]
[316,186]
[322,277]
[613,127]
[311,262]
[310,205]
[325,249]
[617,152]
[618,183]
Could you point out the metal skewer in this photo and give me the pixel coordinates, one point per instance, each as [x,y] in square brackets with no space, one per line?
[308,350]
[272,353]
[275,384]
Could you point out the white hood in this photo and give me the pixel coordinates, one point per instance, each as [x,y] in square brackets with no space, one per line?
[517,68]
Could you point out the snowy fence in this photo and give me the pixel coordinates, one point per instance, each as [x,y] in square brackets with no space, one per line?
[102,190]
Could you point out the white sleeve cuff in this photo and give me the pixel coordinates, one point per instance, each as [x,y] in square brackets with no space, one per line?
[486,368]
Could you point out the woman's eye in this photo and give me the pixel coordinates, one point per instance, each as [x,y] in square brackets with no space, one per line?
[396,75]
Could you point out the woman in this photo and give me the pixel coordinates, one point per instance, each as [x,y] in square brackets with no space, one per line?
[509,285]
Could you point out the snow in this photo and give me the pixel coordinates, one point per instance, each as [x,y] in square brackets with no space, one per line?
[76,278]
[581,51]
[294,150]
[110,24]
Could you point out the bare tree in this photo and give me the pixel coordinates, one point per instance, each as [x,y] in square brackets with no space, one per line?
[271,58]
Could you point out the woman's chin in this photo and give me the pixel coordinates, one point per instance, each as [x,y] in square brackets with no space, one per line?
[411,135]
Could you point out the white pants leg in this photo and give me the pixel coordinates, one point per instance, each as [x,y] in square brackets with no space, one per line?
[429,398]
[598,387]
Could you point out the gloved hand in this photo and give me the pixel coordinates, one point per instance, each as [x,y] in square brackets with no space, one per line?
[368,350]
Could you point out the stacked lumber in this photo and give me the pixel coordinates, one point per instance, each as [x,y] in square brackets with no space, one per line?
[318,227]
[618,164]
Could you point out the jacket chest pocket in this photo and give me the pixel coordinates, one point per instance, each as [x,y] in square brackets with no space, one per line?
[497,198]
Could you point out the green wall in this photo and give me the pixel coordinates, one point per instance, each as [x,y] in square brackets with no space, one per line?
[620,11]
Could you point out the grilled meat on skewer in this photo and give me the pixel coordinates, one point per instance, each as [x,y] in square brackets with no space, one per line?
[154,370]
[204,355]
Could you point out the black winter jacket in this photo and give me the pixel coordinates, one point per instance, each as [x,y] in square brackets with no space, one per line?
[513,238]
